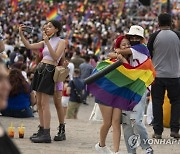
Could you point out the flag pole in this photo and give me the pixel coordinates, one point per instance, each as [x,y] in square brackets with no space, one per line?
[103,72]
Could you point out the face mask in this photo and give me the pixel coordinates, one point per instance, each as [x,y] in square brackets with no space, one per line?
[134,42]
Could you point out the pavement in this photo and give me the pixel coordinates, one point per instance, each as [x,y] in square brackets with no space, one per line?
[81,135]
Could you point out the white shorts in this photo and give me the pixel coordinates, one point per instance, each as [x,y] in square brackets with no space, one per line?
[65,101]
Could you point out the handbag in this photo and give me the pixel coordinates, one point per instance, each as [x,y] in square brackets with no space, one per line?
[60,74]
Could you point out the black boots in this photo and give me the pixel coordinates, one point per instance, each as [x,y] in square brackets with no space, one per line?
[43,135]
[61,134]
[44,138]
[39,133]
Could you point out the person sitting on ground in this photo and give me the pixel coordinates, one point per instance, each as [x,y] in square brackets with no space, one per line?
[20,97]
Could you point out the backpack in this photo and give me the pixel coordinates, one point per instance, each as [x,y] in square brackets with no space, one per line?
[153,37]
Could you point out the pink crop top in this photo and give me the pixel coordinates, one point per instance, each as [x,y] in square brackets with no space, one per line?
[54,43]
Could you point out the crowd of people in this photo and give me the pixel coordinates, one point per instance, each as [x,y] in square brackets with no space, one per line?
[86,33]
[94,27]
[98,22]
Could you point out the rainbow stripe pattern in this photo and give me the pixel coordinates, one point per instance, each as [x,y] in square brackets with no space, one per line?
[81,8]
[14,4]
[53,14]
[98,49]
[123,87]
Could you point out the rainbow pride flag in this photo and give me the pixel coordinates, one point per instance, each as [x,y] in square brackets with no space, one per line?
[14,4]
[53,14]
[98,49]
[123,87]
[163,1]
[81,8]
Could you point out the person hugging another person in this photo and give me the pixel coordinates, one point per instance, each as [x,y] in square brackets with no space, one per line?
[111,115]
[132,120]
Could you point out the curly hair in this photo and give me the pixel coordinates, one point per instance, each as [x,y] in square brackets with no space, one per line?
[18,83]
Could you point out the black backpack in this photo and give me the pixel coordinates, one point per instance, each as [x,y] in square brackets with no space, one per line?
[153,37]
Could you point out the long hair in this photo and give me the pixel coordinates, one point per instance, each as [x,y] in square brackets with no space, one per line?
[18,83]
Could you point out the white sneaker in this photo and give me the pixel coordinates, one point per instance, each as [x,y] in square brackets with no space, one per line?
[117,152]
[103,150]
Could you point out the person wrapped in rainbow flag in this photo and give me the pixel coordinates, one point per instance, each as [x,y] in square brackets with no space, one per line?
[126,88]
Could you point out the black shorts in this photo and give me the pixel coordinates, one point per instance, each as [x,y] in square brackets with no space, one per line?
[43,79]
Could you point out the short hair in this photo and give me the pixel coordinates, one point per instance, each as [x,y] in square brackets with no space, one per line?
[165,19]
[16,49]
[76,71]
[87,58]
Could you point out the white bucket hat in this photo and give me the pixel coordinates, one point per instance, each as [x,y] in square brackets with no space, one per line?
[136,30]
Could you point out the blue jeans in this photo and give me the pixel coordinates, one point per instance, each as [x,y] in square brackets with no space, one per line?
[24,113]
[132,124]
[172,85]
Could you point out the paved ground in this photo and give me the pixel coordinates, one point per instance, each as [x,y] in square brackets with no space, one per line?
[82,135]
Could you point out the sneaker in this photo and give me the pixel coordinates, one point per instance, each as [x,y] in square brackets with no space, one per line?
[175,135]
[103,150]
[149,150]
[157,136]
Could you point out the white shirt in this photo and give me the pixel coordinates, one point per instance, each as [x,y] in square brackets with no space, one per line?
[71,72]
[137,58]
